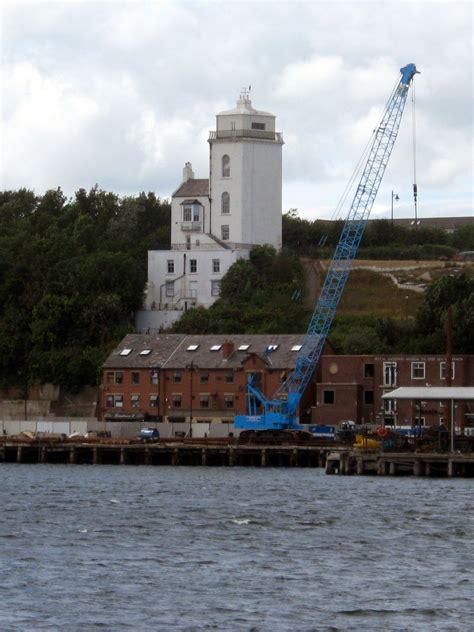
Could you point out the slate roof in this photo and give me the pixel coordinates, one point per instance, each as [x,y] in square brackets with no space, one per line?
[171,351]
[192,188]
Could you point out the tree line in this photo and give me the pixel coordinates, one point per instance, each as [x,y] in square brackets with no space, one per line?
[382,240]
[72,273]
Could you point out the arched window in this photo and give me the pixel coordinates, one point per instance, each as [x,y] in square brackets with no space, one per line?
[225,202]
[225,166]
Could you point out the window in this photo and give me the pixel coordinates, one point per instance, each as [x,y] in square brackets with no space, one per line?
[271,348]
[196,212]
[176,400]
[135,401]
[390,406]
[442,370]
[258,126]
[154,377]
[125,352]
[390,373]
[229,377]
[296,347]
[170,266]
[417,370]
[118,377]
[216,265]
[225,166]
[204,400]
[215,288]
[369,370]
[225,202]
[225,232]
[114,401]
[177,377]
[215,347]
[188,242]
[110,377]
[244,347]
[153,401]
[135,377]
[368,397]
[192,348]
[204,377]
[328,397]
[169,288]
[193,265]
[145,352]
[229,401]
[187,213]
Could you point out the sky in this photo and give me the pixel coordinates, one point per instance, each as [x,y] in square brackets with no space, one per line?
[122,94]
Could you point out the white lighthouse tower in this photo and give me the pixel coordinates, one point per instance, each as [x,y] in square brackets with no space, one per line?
[218,220]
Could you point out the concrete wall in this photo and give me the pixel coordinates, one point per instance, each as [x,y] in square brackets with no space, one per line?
[123,429]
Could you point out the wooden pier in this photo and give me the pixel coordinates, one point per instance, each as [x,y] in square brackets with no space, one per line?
[450,465]
[165,453]
[195,452]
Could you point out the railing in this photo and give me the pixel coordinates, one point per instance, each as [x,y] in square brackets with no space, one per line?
[229,246]
[191,226]
[245,133]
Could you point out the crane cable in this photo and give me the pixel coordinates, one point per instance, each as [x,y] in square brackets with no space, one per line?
[415,185]
[337,213]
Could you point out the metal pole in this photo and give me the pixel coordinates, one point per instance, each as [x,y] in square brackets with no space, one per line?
[191,367]
[453,423]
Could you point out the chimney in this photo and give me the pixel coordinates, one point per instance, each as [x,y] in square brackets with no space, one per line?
[227,348]
[188,173]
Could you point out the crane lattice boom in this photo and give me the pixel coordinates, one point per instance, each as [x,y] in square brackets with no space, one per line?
[280,412]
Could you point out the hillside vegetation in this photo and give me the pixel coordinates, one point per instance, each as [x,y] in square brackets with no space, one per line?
[72,273]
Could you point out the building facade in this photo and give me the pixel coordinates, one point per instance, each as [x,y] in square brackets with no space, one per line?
[216,221]
[176,378]
[351,388]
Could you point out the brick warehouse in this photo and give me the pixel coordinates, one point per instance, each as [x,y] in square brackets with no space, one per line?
[351,387]
[171,377]
[152,377]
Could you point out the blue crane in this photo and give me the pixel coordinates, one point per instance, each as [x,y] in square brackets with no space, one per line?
[280,412]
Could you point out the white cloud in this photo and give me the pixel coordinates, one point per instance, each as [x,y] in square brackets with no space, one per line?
[123,93]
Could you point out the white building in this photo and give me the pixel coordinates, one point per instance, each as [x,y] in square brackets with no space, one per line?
[218,220]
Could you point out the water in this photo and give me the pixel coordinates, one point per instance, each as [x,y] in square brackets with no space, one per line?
[169,548]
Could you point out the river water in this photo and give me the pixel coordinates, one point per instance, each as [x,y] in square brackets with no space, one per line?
[177,548]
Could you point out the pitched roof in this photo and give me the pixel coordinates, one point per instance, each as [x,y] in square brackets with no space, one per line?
[173,351]
[193,187]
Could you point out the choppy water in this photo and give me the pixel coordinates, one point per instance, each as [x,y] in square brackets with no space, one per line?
[167,548]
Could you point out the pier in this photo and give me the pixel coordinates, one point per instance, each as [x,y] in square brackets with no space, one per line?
[195,452]
[347,462]
[186,452]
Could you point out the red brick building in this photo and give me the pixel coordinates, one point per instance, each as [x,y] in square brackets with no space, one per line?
[173,377]
[351,387]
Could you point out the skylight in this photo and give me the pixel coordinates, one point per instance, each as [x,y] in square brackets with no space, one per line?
[244,347]
[296,347]
[192,347]
[271,348]
[125,352]
[145,352]
[215,347]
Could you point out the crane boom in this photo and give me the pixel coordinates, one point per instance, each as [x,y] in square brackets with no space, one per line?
[280,412]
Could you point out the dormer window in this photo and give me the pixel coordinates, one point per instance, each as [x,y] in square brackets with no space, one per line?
[260,126]
[192,211]
[225,202]
[225,166]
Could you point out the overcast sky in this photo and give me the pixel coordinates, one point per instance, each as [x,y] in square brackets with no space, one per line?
[122,94]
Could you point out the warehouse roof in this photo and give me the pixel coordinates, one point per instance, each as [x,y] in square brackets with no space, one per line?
[177,351]
[438,393]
